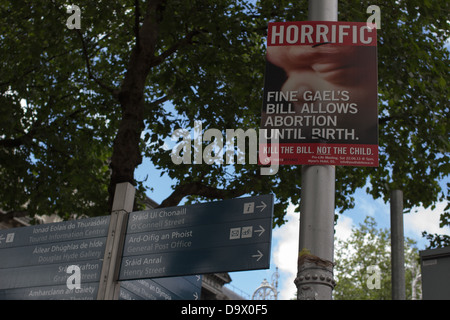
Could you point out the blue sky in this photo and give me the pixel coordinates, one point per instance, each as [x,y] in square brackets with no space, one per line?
[285,238]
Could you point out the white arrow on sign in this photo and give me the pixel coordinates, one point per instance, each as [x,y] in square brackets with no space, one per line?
[259,255]
[261,231]
[262,206]
[195,296]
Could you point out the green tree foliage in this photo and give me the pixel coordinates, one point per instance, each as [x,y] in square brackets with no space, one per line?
[55,135]
[365,255]
[80,108]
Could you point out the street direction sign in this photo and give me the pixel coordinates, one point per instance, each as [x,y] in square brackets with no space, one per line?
[64,260]
[59,292]
[47,275]
[172,240]
[55,232]
[174,288]
[223,236]
[210,260]
[36,262]
[49,253]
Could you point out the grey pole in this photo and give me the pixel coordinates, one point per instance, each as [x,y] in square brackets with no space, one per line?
[397,246]
[323,10]
[315,263]
[123,202]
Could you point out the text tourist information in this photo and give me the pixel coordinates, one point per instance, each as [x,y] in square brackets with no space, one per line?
[46,261]
[320,93]
[223,236]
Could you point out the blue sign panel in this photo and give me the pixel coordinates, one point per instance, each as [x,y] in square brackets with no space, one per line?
[53,261]
[223,236]
[87,291]
[175,288]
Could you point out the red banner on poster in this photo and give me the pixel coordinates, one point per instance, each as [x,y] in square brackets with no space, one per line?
[316,153]
[320,93]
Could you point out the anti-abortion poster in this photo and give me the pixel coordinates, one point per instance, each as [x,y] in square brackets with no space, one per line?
[320,94]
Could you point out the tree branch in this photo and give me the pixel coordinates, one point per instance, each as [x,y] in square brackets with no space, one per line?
[199,189]
[113,91]
[37,128]
[185,41]
[137,14]
[384,119]
[35,68]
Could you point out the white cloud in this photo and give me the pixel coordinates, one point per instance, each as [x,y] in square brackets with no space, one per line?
[285,253]
[343,228]
[421,219]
